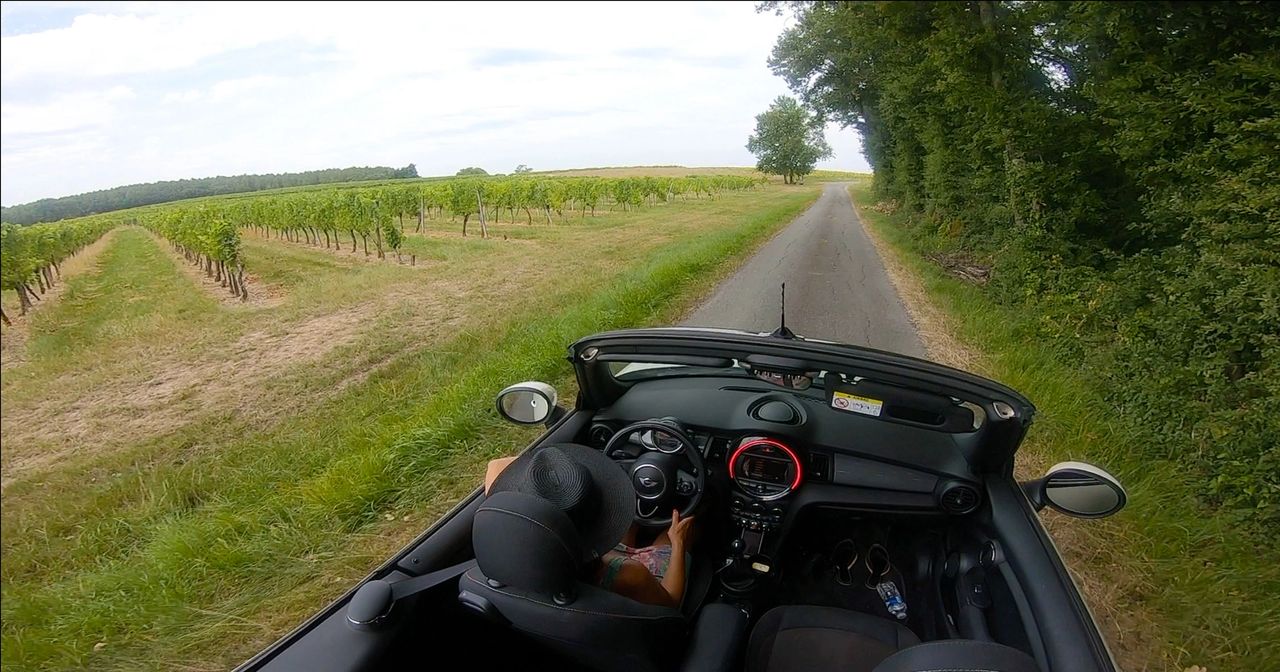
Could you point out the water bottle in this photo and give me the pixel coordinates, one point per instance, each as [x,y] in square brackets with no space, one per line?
[892,599]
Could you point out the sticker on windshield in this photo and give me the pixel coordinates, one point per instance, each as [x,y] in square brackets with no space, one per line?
[843,401]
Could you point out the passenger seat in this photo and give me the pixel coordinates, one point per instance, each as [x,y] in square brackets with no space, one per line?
[804,638]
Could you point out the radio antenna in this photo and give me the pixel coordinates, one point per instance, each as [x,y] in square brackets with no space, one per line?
[782,331]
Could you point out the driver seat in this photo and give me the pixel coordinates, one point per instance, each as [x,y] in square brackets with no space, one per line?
[528,576]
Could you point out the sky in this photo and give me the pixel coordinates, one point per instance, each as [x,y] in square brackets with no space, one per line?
[97,95]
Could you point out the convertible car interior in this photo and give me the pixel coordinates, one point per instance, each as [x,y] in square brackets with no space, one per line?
[855,511]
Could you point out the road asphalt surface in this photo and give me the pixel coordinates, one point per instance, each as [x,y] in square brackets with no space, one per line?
[837,288]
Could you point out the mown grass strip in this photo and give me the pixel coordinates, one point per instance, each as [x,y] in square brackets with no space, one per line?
[1166,566]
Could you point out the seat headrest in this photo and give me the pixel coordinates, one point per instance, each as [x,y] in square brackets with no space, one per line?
[526,542]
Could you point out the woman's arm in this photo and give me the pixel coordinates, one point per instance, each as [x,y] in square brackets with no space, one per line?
[679,534]
[495,467]
[635,581]
[673,580]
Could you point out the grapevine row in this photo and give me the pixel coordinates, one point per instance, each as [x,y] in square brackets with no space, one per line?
[206,237]
[208,233]
[373,213]
[34,254]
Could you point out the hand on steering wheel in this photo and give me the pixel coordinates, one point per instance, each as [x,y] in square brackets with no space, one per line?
[663,478]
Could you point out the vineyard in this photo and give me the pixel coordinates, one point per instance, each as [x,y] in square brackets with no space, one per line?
[207,234]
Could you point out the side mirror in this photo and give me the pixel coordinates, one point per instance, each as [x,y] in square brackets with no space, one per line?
[529,403]
[1077,489]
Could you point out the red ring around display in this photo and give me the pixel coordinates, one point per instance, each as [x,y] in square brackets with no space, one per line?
[768,442]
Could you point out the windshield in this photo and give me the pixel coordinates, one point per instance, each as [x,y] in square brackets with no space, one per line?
[641,370]
[633,371]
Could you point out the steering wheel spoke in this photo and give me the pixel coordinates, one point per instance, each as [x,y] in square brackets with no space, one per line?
[686,483]
[647,509]
[626,451]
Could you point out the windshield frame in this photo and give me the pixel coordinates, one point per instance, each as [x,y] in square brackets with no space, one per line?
[1008,414]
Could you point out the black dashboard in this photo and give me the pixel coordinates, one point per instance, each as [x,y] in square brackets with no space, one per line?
[779,451]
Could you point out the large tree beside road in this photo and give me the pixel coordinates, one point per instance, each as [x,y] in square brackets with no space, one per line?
[788,140]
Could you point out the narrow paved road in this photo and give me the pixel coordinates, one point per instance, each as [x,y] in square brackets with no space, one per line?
[837,289]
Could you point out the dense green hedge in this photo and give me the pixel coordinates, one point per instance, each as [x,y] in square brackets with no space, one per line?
[1118,166]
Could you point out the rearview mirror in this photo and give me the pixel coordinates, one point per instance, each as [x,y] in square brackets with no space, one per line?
[529,403]
[1077,489]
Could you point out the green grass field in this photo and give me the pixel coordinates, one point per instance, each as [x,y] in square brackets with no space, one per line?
[1172,585]
[186,478]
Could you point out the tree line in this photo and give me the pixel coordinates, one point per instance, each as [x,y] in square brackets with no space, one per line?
[1118,166]
[134,195]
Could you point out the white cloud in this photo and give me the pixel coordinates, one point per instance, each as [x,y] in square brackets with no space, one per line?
[98,45]
[67,112]
[233,88]
[227,88]
[182,97]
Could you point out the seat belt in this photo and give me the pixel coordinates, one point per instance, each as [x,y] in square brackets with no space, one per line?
[418,584]
[371,606]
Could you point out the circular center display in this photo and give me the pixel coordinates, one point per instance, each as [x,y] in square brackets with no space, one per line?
[765,469]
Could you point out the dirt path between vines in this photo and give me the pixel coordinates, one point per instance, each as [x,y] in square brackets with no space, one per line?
[156,388]
[260,295]
[171,389]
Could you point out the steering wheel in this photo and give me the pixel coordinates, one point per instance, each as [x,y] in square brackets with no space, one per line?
[665,476]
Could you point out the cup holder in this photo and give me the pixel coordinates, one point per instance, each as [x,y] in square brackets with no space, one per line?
[745,576]
[738,585]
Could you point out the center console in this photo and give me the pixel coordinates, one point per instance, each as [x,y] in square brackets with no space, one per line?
[764,473]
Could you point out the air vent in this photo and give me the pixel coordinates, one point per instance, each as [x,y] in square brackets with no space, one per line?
[600,435]
[719,448]
[959,498]
[819,467]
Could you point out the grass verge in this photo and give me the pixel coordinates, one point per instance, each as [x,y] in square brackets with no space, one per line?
[206,555]
[1171,585]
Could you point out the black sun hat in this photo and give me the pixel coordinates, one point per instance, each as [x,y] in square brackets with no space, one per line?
[593,490]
